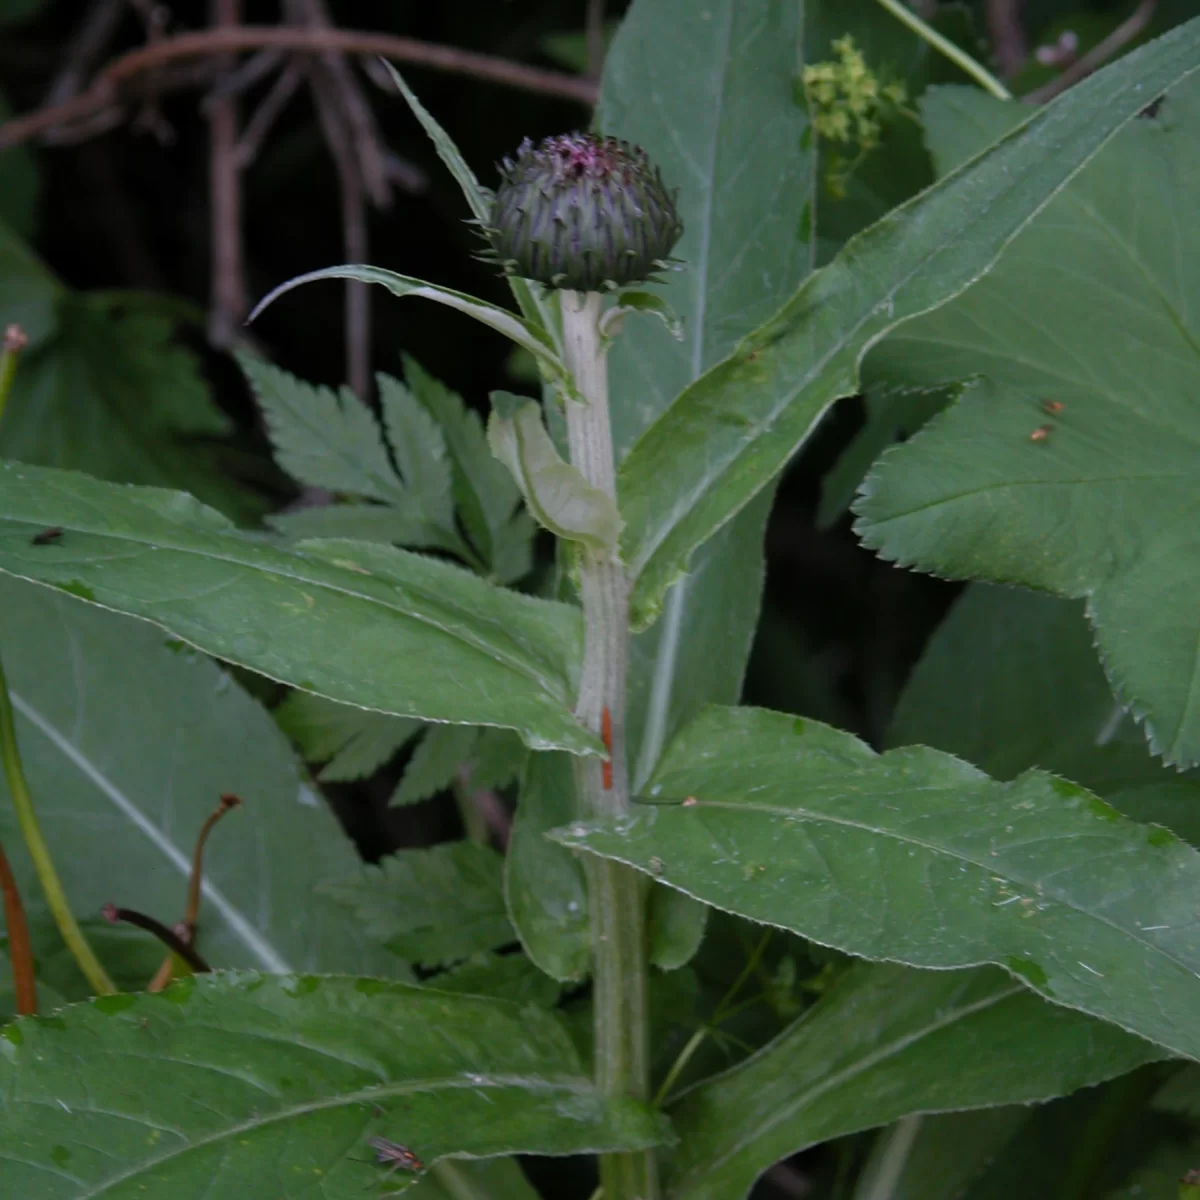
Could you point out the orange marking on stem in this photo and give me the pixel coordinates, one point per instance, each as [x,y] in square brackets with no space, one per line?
[606,735]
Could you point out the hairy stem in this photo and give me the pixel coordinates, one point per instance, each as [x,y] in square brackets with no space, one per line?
[52,886]
[617,894]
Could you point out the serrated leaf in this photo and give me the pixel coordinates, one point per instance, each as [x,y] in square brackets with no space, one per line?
[352,742]
[432,906]
[544,887]
[484,492]
[477,197]
[503,976]
[523,332]
[402,525]
[128,743]
[557,493]
[435,763]
[358,623]
[497,759]
[729,434]
[875,1048]
[420,450]
[249,1085]
[916,857]
[1088,425]
[321,438]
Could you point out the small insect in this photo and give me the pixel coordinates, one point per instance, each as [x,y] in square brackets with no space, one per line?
[400,1158]
[46,536]
[1053,407]
[690,802]
[1041,433]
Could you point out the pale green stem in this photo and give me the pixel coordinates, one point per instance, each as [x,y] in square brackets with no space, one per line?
[12,342]
[52,887]
[617,895]
[884,1171]
[944,46]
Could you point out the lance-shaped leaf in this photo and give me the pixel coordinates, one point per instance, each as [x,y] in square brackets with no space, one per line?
[127,743]
[875,1049]
[727,436]
[1091,426]
[526,335]
[556,492]
[917,857]
[364,624]
[246,1085]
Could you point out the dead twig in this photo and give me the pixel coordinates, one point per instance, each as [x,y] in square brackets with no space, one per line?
[168,937]
[270,109]
[105,90]
[1099,54]
[20,950]
[1007,35]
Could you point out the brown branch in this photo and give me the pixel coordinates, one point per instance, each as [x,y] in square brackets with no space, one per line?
[20,950]
[86,46]
[168,937]
[1007,35]
[229,303]
[1099,54]
[105,89]
[269,111]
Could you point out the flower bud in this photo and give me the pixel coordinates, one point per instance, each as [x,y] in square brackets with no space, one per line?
[582,212]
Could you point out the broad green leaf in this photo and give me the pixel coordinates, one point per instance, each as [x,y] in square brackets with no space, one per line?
[524,333]
[363,624]
[478,198]
[352,742]
[403,526]
[1109,391]
[877,1048]
[675,925]
[420,449]
[436,762]
[544,886]
[245,1085]
[718,116]
[557,493]
[484,492]
[1010,681]
[20,181]
[464,1179]
[128,743]
[324,439]
[105,388]
[498,759]
[729,434]
[432,906]
[502,976]
[916,857]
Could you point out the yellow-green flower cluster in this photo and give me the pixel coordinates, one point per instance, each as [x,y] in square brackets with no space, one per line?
[849,104]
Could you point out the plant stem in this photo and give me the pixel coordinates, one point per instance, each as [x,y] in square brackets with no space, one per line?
[11,344]
[52,887]
[887,1164]
[20,952]
[959,58]
[617,895]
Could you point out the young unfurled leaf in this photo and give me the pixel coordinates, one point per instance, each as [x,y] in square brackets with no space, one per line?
[435,762]
[433,906]
[613,321]
[558,495]
[352,742]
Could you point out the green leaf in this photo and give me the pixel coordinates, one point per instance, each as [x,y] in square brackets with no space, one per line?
[362,624]
[435,762]
[324,439]
[353,742]
[504,976]
[477,197]
[498,759]
[645,304]
[255,1086]
[484,492]
[558,495]
[420,450]
[876,1048]
[729,434]
[464,1179]
[20,180]
[916,857]
[29,293]
[128,743]
[106,389]
[404,526]
[675,925]
[432,906]
[520,330]
[1109,390]
[544,885]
